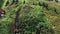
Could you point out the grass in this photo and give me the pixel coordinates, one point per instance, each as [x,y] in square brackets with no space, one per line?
[31,12]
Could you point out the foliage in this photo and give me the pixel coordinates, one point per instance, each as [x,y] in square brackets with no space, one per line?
[1,3]
[34,17]
[56,0]
[34,20]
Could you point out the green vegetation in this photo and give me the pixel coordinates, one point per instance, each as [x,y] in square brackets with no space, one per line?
[1,3]
[56,0]
[35,17]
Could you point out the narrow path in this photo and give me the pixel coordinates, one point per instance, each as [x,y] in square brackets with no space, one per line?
[16,24]
[52,2]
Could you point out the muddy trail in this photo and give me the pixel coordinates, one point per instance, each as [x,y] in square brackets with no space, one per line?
[16,23]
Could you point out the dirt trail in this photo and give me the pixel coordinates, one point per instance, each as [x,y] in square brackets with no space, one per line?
[16,24]
[52,2]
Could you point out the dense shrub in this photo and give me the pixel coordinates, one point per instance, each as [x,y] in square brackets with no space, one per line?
[55,10]
[45,5]
[40,3]
[34,21]
[5,27]
[31,19]
[1,3]
[56,0]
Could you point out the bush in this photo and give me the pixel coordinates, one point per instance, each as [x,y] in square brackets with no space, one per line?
[56,0]
[40,3]
[34,21]
[55,10]
[1,3]
[45,5]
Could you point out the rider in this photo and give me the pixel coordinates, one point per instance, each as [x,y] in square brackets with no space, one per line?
[2,12]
